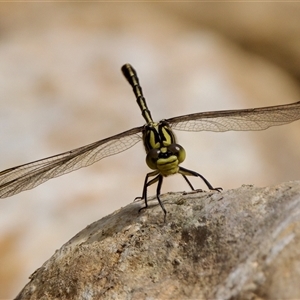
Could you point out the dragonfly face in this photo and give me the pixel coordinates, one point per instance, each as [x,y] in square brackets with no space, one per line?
[164,155]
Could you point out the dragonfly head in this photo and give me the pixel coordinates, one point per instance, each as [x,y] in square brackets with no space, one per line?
[163,153]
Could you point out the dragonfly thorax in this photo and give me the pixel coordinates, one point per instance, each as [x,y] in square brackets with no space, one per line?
[163,154]
[158,135]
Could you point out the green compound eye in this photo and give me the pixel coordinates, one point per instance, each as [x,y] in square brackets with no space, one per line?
[152,158]
[177,150]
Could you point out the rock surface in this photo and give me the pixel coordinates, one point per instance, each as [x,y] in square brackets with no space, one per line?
[238,244]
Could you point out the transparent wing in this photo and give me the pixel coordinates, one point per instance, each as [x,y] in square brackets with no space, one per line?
[243,119]
[28,176]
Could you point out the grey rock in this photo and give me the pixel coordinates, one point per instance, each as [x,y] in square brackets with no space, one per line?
[236,244]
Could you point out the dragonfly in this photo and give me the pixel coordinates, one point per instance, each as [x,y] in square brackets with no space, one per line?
[163,154]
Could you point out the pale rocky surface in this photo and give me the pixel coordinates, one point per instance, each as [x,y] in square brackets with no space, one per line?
[61,88]
[238,244]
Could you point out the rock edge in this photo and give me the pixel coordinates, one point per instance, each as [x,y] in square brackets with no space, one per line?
[237,244]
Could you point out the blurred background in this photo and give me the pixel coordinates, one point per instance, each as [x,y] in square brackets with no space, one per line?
[61,88]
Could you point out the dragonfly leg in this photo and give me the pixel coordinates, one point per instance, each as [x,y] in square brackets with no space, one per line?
[186,172]
[189,183]
[146,185]
[158,189]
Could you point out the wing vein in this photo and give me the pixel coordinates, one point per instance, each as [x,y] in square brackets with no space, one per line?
[28,176]
[236,120]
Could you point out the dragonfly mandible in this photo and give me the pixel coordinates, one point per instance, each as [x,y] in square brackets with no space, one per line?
[163,154]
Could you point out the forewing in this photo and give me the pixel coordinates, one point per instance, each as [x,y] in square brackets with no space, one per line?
[27,176]
[236,120]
